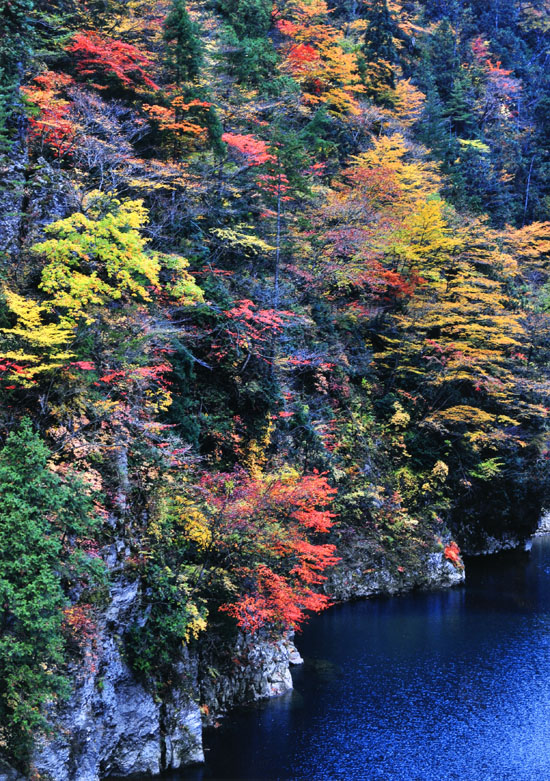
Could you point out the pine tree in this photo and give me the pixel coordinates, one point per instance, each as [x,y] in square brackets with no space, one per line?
[460,107]
[41,516]
[443,56]
[378,41]
[18,30]
[16,43]
[6,98]
[184,36]
[433,128]
[379,54]
[249,18]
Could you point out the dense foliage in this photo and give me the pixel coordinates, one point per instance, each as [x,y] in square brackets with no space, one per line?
[275,279]
[44,552]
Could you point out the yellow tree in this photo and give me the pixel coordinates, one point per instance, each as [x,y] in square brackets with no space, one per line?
[32,347]
[101,286]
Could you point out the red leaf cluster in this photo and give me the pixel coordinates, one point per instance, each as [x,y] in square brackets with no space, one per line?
[254,149]
[452,553]
[105,58]
[53,125]
[270,520]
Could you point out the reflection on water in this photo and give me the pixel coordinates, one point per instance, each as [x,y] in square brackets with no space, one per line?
[425,687]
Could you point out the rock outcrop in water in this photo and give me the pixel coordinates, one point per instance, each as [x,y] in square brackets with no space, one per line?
[355,577]
[113,725]
[544,523]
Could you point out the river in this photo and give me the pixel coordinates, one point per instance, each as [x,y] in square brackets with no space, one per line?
[433,686]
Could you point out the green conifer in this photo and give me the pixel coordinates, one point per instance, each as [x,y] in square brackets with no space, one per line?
[41,515]
[378,54]
[184,36]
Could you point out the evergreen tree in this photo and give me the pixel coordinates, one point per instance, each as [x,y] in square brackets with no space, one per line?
[18,24]
[442,53]
[184,37]
[378,52]
[41,515]
[16,43]
[252,61]
[475,185]
[249,18]
[6,108]
[433,128]
[460,107]
[378,43]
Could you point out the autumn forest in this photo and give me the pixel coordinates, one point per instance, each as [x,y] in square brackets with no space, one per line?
[275,286]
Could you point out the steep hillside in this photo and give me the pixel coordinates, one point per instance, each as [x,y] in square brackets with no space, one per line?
[275,307]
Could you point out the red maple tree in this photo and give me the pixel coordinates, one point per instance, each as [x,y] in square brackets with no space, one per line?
[109,60]
[264,534]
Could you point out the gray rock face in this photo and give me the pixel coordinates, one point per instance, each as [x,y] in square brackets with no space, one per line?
[30,198]
[13,176]
[50,196]
[260,669]
[355,577]
[114,726]
[7,773]
[490,545]
[544,523]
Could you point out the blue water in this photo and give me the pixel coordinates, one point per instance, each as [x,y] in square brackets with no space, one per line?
[425,687]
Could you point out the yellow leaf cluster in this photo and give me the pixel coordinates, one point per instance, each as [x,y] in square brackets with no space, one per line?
[40,346]
[239,239]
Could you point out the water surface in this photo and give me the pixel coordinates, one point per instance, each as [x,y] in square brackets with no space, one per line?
[424,687]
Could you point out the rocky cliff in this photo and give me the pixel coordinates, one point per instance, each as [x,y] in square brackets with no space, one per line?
[356,577]
[115,726]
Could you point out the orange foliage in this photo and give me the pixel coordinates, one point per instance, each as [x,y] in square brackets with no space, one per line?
[107,59]
[262,528]
[180,119]
[316,59]
[254,149]
[53,125]
[452,553]
[81,630]
[355,226]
